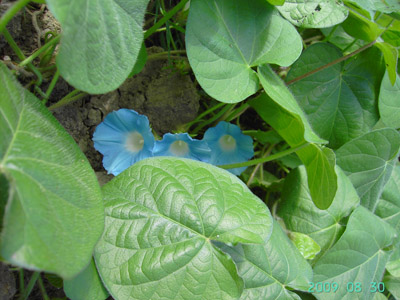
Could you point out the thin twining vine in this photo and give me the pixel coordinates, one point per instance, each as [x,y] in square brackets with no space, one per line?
[336,61]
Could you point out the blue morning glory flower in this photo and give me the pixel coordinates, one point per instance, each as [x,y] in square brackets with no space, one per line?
[124,137]
[182,145]
[229,145]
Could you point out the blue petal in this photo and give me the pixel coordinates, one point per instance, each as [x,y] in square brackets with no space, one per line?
[243,151]
[110,137]
[115,164]
[197,150]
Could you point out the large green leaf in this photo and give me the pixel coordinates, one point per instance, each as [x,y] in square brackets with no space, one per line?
[368,161]
[300,214]
[386,6]
[389,102]
[225,39]
[86,285]
[267,270]
[54,215]
[389,205]
[359,256]
[339,101]
[319,162]
[161,216]
[100,41]
[314,13]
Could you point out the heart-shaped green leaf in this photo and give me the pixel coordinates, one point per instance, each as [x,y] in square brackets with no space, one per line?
[54,215]
[100,41]
[222,53]
[357,259]
[389,102]
[320,162]
[268,269]
[341,106]
[314,13]
[161,216]
[300,214]
[368,161]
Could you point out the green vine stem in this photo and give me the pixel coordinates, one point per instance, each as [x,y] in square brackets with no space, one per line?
[212,119]
[336,61]
[71,97]
[11,12]
[21,55]
[21,281]
[51,86]
[30,286]
[200,117]
[257,167]
[42,289]
[262,160]
[164,19]
[40,51]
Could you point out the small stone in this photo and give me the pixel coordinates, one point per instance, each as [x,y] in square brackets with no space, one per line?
[94,117]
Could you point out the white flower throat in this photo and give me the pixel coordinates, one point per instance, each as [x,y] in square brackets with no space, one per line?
[227,142]
[134,142]
[179,148]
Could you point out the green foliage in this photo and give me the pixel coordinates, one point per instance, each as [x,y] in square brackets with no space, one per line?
[162,216]
[222,54]
[277,91]
[391,56]
[341,106]
[271,270]
[388,102]
[321,88]
[389,204]
[306,245]
[358,258]
[86,285]
[386,6]
[393,285]
[300,214]
[54,214]
[94,44]
[368,161]
[315,13]
[361,27]
[319,161]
